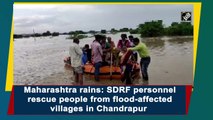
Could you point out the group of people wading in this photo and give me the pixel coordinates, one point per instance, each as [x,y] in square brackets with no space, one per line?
[104,52]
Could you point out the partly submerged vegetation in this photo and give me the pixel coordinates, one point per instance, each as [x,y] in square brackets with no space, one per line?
[47,33]
[154,28]
[79,36]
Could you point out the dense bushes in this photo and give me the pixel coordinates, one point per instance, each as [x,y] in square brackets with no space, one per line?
[156,28]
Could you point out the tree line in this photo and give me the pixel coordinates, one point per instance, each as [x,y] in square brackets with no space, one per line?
[154,28]
[47,33]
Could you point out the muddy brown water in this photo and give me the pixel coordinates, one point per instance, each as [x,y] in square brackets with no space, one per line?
[40,61]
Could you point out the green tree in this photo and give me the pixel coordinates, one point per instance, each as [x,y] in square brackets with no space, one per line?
[92,32]
[134,31]
[17,36]
[124,30]
[113,30]
[151,29]
[180,29]
[55,34]
[46,33]
[103,31]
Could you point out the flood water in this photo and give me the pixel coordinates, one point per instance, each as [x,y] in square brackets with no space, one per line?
[40,61]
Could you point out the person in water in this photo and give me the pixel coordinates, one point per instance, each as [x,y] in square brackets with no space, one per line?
[85,54]
[120,55]
[97,53]
[110,53]
[106,50]
[143,52]
[123,42]
[134,56]
[89,54]
[112,44]
[76,59]
[126,69]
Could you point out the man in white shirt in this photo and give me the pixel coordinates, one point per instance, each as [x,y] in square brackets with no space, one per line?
[76,61]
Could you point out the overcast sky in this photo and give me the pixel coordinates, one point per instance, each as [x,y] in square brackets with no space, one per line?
[70,17]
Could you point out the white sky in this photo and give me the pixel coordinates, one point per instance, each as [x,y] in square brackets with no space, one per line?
[70,17]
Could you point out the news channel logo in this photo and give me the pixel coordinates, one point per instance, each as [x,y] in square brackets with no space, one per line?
[186,16]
